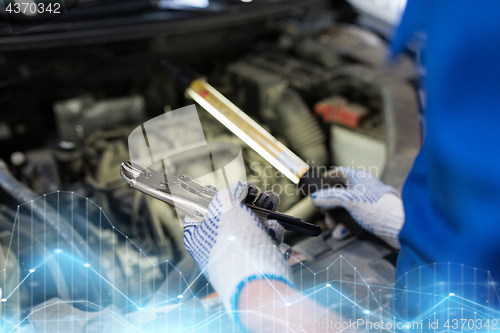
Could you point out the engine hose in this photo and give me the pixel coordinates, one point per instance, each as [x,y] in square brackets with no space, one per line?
[78,245]
[299,127]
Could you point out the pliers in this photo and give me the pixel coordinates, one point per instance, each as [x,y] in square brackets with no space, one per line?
[193,198]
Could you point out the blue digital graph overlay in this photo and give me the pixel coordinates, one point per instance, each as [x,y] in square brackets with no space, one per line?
[96,279]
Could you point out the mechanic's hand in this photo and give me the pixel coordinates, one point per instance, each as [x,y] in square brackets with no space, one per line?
[373,205]
[231,245]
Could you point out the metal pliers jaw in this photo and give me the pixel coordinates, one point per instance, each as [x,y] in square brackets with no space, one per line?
[193,201]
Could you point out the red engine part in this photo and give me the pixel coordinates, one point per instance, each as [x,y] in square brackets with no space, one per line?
[338,110]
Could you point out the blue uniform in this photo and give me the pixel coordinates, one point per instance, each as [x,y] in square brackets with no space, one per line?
[452,194]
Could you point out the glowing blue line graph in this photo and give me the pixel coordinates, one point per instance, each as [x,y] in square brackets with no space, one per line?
[135,313]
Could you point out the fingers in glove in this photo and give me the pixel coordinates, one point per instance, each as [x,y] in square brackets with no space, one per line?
[253,191]
[332,198]
[340,232]
[230,197]
[268,200]
[275,230]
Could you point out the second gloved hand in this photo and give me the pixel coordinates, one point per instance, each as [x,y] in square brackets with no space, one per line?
[373,205]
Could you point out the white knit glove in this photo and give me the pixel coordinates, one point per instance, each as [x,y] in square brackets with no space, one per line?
[373,205]
[232,247]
